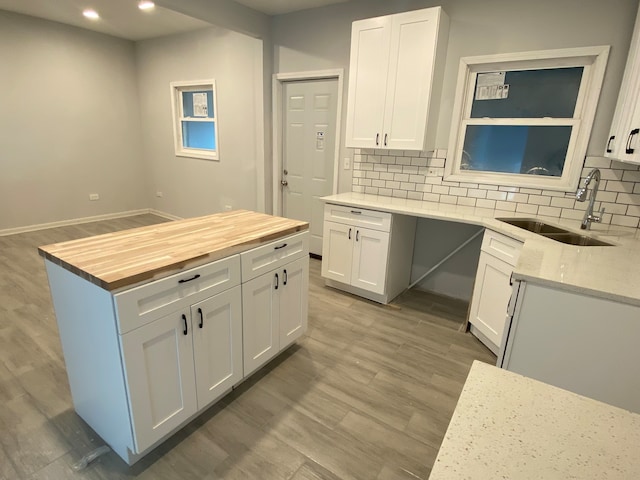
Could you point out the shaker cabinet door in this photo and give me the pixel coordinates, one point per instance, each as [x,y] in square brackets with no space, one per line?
[369,264]
[217,344]
[293,301]
[158,364]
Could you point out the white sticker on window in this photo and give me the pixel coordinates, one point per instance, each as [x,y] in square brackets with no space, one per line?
[493,92]
[490,79]
[200,105]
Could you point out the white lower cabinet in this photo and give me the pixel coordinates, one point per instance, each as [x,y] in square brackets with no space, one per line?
[492,289]
[275,312]
[367,252]
[180,363]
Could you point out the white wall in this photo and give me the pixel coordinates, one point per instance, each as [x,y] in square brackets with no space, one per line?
[193,187]
[69,123]
[320,38]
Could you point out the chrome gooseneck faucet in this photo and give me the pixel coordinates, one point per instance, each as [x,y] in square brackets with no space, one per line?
[581,196]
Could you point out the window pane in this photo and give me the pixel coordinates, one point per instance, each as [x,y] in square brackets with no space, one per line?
[197,104]
[532,94]
[533,150]
[200,135]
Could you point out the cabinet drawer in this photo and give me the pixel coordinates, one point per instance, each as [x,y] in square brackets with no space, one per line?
[145,303]
[500,246]
[358,217]
[272,255]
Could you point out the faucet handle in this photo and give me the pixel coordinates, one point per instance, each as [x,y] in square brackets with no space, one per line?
[598,218]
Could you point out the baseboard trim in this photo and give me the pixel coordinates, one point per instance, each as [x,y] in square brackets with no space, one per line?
[78,221]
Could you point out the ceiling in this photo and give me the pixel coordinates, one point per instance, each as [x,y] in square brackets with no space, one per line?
[122,18]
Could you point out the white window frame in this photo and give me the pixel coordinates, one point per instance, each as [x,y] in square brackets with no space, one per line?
[178,117]
[594,61]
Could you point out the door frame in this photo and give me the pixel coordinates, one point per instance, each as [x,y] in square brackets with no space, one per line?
[279,79]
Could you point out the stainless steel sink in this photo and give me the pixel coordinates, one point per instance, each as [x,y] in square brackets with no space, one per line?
[554,233]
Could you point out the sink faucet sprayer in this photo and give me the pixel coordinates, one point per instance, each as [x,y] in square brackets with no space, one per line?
[581,196]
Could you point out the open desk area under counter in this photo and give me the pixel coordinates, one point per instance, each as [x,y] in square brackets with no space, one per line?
[157,323]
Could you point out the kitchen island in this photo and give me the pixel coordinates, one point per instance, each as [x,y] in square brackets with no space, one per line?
[509,426]
[157,323]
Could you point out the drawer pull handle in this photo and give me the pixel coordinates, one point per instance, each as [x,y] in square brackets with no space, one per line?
[356,212]
[285,277]
[185,280]
[184,319]
[277,281]
[201,318]
[280,246]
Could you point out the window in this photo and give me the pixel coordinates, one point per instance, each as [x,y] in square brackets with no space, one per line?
[524,119]
[195,119]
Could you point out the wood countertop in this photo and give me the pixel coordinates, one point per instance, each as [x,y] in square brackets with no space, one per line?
[125,258]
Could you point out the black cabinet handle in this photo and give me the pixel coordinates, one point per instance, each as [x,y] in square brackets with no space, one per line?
[385,139]
[285,277]
[377,139]
[356,212]
[349,234]
[185,280]
[357,234]
[277,281]
[201,318]
[609,143]
[632,133]
[184,319]
[280,246]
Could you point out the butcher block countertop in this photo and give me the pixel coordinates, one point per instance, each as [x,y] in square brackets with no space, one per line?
[129,257]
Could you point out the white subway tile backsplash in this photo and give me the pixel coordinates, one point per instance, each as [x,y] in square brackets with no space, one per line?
[549,211]
[526,208]
[419,176]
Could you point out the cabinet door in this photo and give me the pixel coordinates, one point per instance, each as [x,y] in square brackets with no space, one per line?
[260,329]
[369,265]
[158,364]
[337,251]
[217,344]
[293,301]
[491,294]
[409,81]
[370,40]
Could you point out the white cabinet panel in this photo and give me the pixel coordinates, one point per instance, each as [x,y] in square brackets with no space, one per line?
[394,79]
[293,301]
[337,251]
[217,344]
[158,363]
[370,253]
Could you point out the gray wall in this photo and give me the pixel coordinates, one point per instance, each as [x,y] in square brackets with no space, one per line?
[69,124]
[193,187]
[320,39]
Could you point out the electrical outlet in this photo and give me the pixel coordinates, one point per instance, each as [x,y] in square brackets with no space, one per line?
[94,196]
[228,207]
[159,194]
[347,163]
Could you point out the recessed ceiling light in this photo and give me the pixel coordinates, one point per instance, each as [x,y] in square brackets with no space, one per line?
[91,14]
[146,5]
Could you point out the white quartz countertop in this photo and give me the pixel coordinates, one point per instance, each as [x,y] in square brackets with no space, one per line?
[608,272]
[509,426]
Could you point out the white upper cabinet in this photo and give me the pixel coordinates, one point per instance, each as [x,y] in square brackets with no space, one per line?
[395,80]
[624,138]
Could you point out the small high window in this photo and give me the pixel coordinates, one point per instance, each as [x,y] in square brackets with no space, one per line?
[195,119]
[524,119]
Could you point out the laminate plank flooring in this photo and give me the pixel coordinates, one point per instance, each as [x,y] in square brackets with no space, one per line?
[367,394]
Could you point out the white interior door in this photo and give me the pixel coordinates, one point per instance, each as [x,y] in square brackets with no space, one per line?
[308,151]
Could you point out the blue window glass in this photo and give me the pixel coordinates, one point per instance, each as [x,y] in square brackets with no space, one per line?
[200,135]
[551,92]
[520,149]
[188,101]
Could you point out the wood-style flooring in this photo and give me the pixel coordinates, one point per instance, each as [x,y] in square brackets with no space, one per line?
[366,394]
